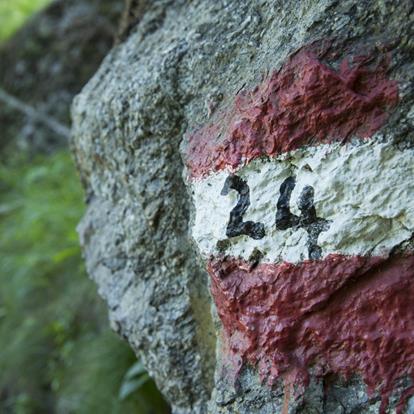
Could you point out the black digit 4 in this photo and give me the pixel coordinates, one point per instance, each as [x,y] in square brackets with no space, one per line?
[284,218]
[308,220]
[236,226]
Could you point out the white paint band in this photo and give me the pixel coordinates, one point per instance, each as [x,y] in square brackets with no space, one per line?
[365,189]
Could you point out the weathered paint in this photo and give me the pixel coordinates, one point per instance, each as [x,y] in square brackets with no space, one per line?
[364,190]
[343,316]
[299,216]
[304,103]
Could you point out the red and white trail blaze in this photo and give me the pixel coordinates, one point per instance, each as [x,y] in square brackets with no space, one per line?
[301,204]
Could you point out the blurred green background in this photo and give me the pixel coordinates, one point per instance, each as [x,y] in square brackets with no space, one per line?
[57,353]
[13,14]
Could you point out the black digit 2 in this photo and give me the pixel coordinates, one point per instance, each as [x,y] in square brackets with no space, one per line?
[236,226]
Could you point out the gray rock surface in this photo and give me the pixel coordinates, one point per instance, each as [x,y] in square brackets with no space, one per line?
[184,60]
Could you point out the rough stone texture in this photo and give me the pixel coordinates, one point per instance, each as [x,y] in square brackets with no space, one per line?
[183,62]
[46,63]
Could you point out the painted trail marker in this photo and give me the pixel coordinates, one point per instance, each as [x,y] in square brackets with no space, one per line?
[303,206]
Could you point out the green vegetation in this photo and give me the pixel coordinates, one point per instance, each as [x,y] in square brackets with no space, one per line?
[57,352]
[13,14]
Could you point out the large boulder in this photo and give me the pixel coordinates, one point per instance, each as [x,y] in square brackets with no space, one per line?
[260,151]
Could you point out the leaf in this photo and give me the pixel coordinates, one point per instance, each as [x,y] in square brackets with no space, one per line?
[64,254]
[137,369]
[129,387]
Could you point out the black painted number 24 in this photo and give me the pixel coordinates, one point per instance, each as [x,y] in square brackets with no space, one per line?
[285,219]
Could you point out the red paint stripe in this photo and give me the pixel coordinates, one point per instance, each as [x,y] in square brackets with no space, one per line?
[306,102]
[342,315]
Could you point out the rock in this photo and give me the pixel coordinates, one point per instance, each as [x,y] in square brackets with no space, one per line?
[46,63]
[187,100]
